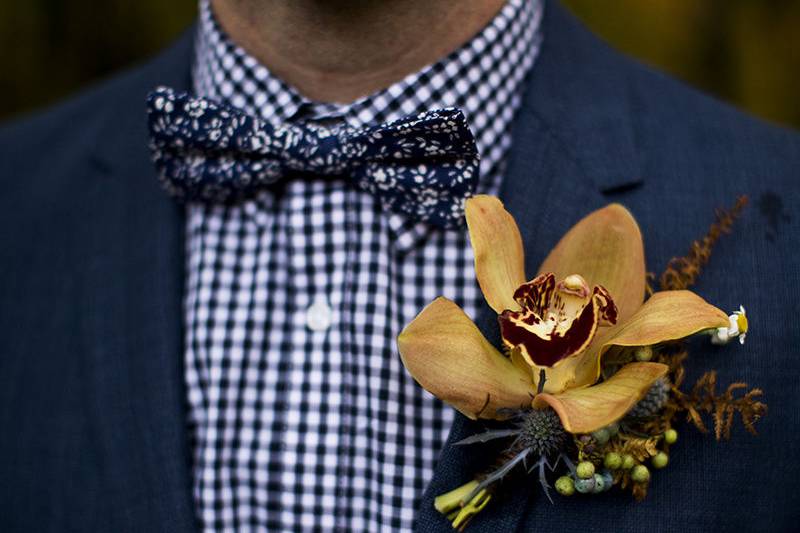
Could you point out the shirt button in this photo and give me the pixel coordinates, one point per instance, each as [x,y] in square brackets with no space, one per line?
[319,315]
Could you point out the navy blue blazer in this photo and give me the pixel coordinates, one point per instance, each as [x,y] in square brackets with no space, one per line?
[92,419]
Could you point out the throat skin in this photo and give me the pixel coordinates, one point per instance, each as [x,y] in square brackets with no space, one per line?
[337,51]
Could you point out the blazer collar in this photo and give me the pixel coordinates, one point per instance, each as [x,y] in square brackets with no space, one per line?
[573,143]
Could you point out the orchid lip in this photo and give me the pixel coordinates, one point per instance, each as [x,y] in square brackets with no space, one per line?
[557,320]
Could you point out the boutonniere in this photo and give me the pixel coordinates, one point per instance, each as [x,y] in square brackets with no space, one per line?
[587,382]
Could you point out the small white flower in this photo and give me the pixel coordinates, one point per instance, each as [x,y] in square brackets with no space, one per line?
[737,327]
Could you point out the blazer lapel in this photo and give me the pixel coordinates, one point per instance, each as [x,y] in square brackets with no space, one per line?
[573,147]
[133,319]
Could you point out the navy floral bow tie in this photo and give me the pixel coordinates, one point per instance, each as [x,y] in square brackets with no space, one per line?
[424,166]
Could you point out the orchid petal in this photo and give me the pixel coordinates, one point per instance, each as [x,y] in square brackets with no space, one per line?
[497,244]
[605,248]
[666,316]
[449,357]
[589,409]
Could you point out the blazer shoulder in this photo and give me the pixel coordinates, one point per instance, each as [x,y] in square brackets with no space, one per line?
[71,128]
[622,122]
[684,120]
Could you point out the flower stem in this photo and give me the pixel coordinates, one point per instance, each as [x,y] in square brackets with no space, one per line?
[449,501]
[542,379]
[453,505]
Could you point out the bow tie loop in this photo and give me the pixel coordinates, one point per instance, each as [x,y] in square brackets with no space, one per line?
[423,166]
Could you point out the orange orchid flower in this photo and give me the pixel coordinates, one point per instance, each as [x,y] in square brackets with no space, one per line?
[556,330]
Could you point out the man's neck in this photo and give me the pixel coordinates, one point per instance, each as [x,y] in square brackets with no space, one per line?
[340,50]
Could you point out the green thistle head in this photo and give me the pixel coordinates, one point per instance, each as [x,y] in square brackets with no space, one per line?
[541,430]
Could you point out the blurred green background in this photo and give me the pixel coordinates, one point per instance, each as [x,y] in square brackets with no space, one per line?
[744,51]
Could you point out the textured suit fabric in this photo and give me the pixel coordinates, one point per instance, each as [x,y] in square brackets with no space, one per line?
[91,399]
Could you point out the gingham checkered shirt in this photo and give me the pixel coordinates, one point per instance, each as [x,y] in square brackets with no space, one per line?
[301,414]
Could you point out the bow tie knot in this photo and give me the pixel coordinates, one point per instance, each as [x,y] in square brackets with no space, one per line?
[424,166]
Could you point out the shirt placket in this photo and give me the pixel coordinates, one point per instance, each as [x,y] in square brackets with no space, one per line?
[317,379]
[336,281]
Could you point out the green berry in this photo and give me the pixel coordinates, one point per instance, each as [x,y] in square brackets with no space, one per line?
[565,486]
[612,461]
[584,486]
[670,436]
[660,460]
[643,353]
[628,461]
[613,429]
[585,470]
[599,484]
[601,435]
[640,474]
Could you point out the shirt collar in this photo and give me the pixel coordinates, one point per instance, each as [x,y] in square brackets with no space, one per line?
[500,55]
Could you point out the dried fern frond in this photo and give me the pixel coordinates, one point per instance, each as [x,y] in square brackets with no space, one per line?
[674,359]
[722,407]
[660,424]
[682,272]
[649,280]
[640,448]
[639,490]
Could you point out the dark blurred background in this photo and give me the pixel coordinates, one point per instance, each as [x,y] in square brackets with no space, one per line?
[744,51]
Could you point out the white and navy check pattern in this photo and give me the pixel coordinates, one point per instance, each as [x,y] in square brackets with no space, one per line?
[299,428]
